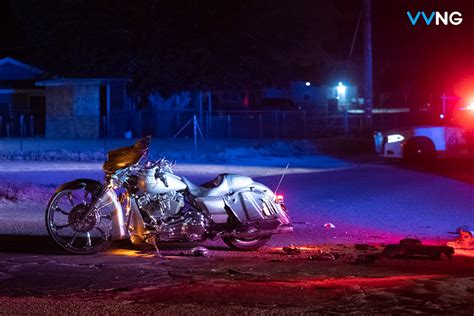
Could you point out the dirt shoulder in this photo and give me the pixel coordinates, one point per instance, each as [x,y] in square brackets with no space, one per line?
[125,280]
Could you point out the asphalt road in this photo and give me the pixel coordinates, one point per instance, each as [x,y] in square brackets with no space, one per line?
[367,202]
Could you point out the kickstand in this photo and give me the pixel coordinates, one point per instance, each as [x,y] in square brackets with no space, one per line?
[158,253]
[151,240]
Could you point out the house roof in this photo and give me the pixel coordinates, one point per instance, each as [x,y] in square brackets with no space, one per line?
[79,81]
[12,69]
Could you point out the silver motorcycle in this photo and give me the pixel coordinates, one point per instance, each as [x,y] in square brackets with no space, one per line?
[144,201]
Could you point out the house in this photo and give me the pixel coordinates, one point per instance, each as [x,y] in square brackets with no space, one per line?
[20,97]
[82,108]
[34,103]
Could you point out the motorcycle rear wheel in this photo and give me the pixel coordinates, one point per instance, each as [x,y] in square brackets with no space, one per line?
[246,244]
[63,222]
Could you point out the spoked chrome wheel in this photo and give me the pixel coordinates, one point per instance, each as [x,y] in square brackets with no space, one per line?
[73,226]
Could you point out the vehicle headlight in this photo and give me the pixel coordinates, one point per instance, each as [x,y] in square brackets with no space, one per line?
[394,138]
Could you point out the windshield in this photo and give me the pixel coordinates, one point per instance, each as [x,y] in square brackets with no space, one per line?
[124,157]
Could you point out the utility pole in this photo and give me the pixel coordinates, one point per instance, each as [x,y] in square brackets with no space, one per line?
[368,86]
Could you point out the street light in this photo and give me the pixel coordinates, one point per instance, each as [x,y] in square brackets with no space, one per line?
[341,91]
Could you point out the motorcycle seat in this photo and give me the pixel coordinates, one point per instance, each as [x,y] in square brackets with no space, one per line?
[221,185]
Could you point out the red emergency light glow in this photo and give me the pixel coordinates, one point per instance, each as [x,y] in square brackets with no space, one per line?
[469,107]
[464,116]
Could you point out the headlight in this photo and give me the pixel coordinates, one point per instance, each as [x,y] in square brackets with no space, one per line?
[394,138]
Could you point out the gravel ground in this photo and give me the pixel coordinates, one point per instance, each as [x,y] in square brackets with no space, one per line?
[124,281]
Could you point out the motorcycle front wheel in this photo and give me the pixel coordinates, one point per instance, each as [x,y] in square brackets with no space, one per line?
[246,244]
[72,228]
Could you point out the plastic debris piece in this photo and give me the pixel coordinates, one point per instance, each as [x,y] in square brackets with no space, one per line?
[324,256]
[200,251]
[329,226]
[233,272]
[415,250]
[291,250]
[464,241]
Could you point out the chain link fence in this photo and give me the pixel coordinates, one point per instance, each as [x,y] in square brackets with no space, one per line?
[229,124]
[254,124]
[21,126]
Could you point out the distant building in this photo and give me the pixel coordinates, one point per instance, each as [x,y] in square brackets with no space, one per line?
[35,103]
[308,97]
[19,96]
[295,96]
[57,107]
[81,108]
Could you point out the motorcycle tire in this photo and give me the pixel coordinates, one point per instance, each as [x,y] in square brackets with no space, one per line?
[72,244]
[246,244]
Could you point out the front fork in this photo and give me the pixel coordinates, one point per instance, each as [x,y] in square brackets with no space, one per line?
[107,198]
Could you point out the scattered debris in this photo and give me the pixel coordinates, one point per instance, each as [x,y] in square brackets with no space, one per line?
[200,251]
[329,226]
[291,250]
[233,272]
[323,256]
[367,258]
[412,248]
[247,274]
[464,240]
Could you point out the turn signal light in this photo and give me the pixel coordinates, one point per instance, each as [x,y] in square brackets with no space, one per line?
[279,198]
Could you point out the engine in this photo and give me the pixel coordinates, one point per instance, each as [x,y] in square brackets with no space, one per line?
[172,221]
[161,206]
[192,226]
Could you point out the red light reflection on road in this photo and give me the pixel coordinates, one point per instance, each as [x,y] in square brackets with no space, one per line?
[393,280]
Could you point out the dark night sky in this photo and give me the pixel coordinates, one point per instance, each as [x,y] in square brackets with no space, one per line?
[430,58]
[207,43]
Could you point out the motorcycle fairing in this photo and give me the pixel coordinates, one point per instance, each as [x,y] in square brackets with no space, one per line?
[124,157]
